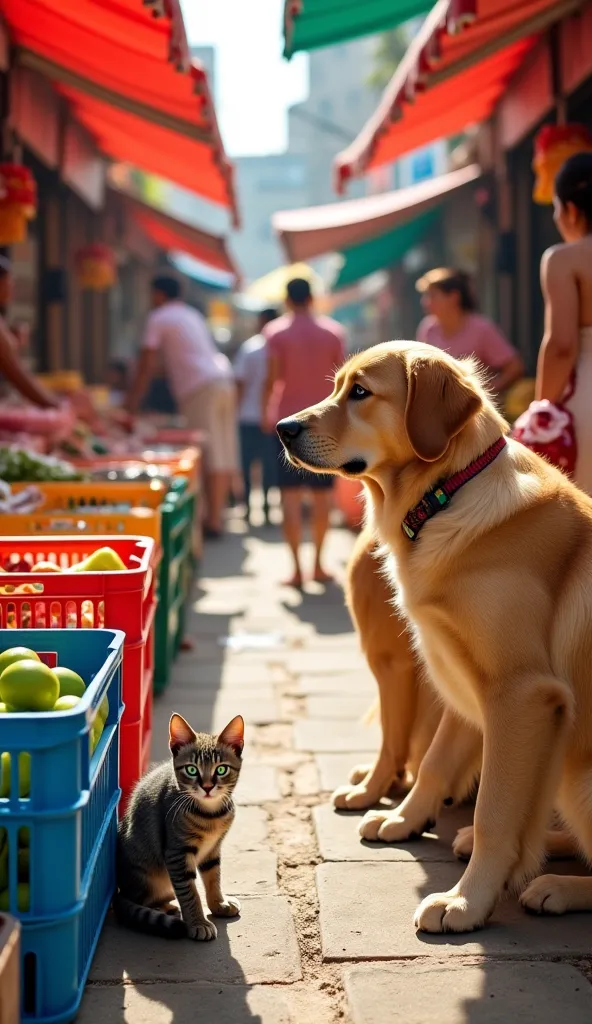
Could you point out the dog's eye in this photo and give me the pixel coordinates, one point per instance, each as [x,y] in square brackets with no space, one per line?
[357,393]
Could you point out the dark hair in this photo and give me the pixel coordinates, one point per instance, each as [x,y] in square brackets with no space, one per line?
[267,315]
[447,281]
[169,286]
[573,183]
[299,292]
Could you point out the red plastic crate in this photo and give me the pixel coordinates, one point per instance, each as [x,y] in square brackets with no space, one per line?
[115,600]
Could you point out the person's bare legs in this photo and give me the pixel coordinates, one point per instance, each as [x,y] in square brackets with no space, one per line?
[292,528]
[321,506]
[218,490]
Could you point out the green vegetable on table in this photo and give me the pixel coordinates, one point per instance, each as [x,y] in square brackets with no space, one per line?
[18,465]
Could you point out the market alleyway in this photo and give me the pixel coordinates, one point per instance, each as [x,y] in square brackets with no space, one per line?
[303,694]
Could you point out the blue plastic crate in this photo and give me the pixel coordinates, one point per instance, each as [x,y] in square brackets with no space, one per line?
[70,816]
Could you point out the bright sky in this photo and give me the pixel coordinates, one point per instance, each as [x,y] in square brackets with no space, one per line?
[255,84]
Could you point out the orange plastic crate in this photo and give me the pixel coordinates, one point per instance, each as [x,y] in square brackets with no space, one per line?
[186,462]
[89,507]
[114,600]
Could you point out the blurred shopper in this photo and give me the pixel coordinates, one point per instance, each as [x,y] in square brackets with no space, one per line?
[116,379]
[564,370]
[12,369]
[304,351]
[200,379]
[256,444]
[453,325]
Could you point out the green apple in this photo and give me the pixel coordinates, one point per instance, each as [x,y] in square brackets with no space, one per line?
[23,898]
[95,734]
[24,864]
[29,686]
[70,682]
[24,775]
[66,703]
[16,654]
[103,709]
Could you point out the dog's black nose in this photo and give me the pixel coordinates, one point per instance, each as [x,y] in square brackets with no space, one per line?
[289,430]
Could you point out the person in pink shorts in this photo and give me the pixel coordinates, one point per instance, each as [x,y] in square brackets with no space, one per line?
[453,325]
[304,351]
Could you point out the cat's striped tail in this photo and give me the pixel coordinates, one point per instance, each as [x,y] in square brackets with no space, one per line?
[150,922]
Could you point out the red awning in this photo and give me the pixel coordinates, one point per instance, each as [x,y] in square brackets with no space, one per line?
[322,229]
[174,235]
[452,76]
[131,81]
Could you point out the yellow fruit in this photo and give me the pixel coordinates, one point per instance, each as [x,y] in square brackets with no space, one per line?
[101,560]
[23,898]
[23,865]
[16,654]
[24,775]
[5,709]
[95,734]
[66,703]
[103,710]
[70,682]
[46,567]
[29,686]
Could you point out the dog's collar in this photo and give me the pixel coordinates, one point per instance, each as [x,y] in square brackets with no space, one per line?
[434,501]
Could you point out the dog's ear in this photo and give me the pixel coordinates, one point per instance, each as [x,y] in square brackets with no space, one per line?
[439,404]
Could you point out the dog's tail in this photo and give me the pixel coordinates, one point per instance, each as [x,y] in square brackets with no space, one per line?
[372,712]
[150,922]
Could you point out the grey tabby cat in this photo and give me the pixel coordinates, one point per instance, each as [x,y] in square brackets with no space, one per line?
[174,825]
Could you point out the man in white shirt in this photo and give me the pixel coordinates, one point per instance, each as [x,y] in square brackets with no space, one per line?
[200,378]
[250,373]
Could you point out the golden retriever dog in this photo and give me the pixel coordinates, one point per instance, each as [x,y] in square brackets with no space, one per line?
[409,709]
[491,555]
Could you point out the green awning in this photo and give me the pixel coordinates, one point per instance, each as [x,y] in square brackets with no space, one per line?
[309,24]
[383,250]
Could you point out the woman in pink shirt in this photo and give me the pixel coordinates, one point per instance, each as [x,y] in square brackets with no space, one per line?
[452,324]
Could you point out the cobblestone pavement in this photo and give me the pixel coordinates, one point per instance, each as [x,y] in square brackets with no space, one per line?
[325,933]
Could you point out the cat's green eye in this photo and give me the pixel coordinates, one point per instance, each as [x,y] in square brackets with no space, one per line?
[221,770]
[191,770]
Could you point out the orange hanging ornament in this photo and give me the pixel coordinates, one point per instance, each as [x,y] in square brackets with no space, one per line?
[552,147]
[18,202]
[95,266]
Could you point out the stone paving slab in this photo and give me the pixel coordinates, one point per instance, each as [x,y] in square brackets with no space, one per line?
[258,784]
[182,1004]
[338,838]
[334,707]
[325,662]
[334,769]
[252,873]
[257,947]
[340,683]
[249,830]
[318,735]
[366,913]
[491,993]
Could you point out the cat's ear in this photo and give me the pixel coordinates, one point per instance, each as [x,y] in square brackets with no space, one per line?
[180,733]
[234,735]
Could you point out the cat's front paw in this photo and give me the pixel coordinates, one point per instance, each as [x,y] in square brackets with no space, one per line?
[230,907]
[205,931]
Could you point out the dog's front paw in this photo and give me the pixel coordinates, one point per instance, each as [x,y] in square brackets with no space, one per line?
[230,907]
[205,931]
[359,773]
[353,798]
[462,845]
[390,827]
[447,912]
[547,894]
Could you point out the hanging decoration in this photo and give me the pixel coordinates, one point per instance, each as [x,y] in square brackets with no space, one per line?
[552,147]
[18,202]
[96,267]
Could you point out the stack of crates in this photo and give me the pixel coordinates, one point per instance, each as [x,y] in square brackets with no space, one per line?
[58,833]
[123,600]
